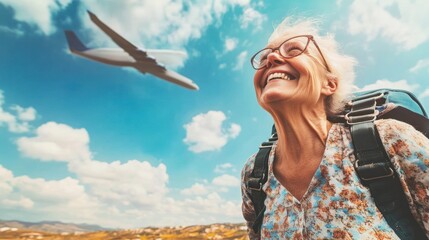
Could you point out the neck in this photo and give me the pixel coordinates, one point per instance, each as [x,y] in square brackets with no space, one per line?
[302,132]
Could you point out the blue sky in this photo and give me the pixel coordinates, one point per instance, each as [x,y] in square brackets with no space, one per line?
[85,142]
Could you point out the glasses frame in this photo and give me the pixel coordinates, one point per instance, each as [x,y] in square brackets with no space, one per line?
[309,37]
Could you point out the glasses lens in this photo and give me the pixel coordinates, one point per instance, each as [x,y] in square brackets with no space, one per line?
[259,60]
[294,46]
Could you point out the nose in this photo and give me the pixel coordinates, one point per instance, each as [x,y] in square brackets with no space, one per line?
[274,58]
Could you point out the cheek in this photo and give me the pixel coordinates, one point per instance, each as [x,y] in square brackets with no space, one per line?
[302,65]
[310,87]
[257,80]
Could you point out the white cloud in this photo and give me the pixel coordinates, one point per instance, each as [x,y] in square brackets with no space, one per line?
[201,210]
[171,23]
[25,114]
[1,98]
[424,94]
[230,44]
[226,180]
[212,204]
[127,184]
[49,198]
[17,123]
[56,142]
[218,184]
[8,119]
[401,21]
[109,194]
[240,2]
[384,83]
[205,132]
[6,177]
[221,168]
[130,194]
[17,203]
[241,59]
[108,181]
[167,22]
[37,13]
[421,64]
[252,17]
[116,195]
[9,30]
[220,6]
[54,192]
[234,130]
[205,202]
[196,189]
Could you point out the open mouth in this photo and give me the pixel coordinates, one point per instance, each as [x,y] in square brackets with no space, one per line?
[280,75]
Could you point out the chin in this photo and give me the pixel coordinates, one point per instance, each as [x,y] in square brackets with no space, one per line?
[269,102]
[270,95]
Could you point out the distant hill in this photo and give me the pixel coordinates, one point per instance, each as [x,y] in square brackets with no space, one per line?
[52,226]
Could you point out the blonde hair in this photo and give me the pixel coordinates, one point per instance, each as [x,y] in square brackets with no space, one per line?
[341,66]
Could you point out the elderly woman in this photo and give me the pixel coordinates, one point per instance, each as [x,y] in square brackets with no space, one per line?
[312,189]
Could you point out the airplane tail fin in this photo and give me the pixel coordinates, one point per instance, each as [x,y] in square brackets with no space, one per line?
[74,43]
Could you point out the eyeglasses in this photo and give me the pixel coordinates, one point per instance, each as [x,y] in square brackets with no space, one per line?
[290,48]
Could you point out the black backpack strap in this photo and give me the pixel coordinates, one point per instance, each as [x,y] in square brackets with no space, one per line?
[257,179]
[375,170]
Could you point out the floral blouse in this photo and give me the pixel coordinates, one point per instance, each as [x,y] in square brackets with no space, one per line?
[336,205]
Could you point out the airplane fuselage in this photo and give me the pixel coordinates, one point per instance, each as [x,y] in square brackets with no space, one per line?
[113,56]
[118,57]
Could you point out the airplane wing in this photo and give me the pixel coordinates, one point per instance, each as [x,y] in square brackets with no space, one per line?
[135,52]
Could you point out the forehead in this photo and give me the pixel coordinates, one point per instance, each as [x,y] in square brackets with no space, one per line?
[276,41]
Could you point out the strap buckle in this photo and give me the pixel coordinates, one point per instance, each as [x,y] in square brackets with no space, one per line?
[365,98]
[367,114]
[369,172]
[266,145]
[270,141]
[255,183]
[353,120]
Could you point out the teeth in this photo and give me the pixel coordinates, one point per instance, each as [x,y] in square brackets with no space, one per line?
[278,75]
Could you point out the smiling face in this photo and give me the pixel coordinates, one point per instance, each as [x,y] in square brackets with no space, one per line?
[320,72]
[276,81]
[289,80]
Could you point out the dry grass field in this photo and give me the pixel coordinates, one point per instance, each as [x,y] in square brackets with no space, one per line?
[214,231]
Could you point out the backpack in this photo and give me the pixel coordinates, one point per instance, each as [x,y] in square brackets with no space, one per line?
[372,163]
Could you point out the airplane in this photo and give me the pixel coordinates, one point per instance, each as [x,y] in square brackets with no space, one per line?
[128,55]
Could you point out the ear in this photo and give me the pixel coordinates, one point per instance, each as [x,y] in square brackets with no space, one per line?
[330,85]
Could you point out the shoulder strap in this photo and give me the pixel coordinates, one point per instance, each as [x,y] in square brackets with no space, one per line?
[375,170]
[257,179]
